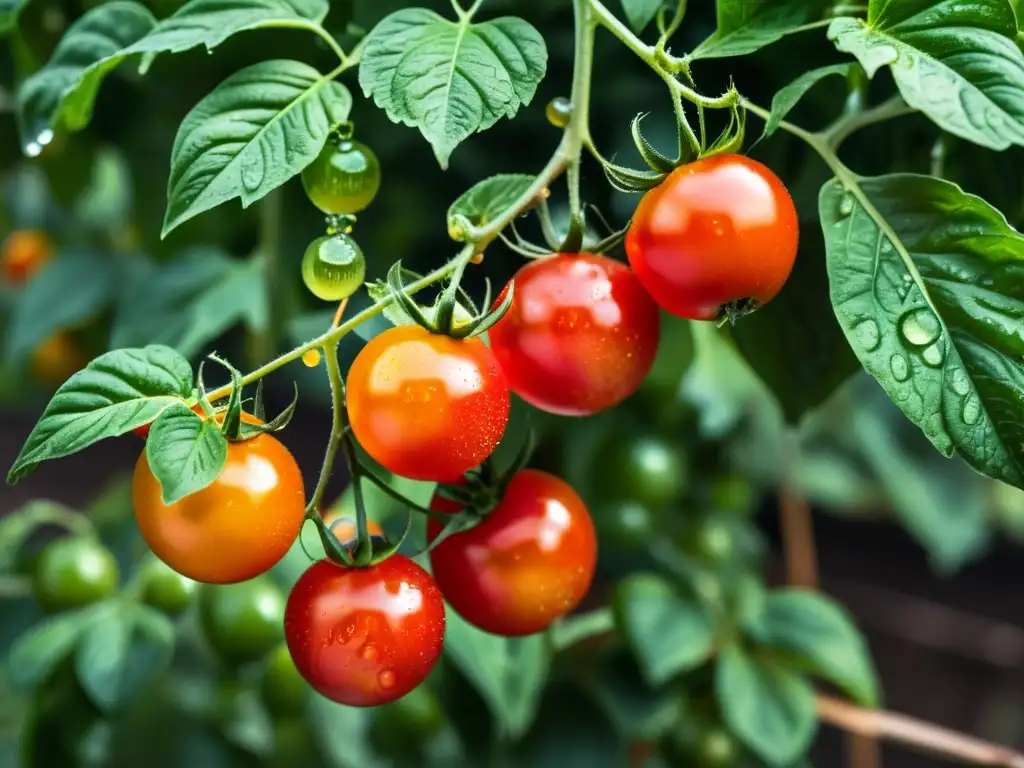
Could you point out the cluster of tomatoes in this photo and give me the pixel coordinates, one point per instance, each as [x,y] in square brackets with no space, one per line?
[23,254]
[579,336]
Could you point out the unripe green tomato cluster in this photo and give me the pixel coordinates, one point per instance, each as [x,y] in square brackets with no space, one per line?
[74,572]
[165,589]
[333,267]
[244,621]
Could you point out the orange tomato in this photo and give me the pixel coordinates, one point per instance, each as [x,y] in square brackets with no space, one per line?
[234,529]
[24,252]
[57,358]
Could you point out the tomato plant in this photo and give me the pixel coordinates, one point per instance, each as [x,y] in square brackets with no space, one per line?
[365,637]
[529,562]
[580,336]
[707,314]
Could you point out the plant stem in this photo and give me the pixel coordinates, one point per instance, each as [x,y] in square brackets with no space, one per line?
[330,351]
[847,125]
[797,524]
[578,129]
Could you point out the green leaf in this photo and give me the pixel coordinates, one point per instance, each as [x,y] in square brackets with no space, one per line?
[38,652]
[47,305]
[251,134]
[185,451]
[668,632]
[638,710]
[959,63]
[114,394]
[509,673]
[926,281]
[745,26]
[820,637]
[451,79]
[61,94]
[768,707]
[788,97]
[640,13]
[123,649]
[490,198]
[107,201]
[211,22]
[9,12]
[192,300]
[794,342]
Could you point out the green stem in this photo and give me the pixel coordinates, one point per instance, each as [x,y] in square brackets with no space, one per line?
[318,30]
[330,351]
[611,22]
[847,125]
[578,129]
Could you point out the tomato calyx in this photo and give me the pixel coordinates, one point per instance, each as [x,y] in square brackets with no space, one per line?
[366,550]
[234,426]
[734,311]
[444,318]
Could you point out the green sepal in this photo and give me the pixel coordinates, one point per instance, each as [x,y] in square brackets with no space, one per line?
[332,547]
[276,424]
[731,139]
[404,300]
[376,556]
[655,159]
[232,426]
[629,180]
[487,321]
[259,406]
[573,241]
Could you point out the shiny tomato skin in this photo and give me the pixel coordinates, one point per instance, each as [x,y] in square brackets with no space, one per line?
[715,231]
[365,636]
[529,562]
[427,406]
[580,336]
[234,529]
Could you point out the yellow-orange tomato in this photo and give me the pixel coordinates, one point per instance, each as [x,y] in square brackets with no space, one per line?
[24,252]
[234,529]
[57,358]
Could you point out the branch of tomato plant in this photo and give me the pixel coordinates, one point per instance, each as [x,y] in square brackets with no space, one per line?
[330,352]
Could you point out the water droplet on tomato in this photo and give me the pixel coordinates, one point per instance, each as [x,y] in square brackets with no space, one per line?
[386,679]
[369,653]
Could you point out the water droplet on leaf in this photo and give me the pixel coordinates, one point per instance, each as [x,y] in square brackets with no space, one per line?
[868,335]
[920,327]
[900,369]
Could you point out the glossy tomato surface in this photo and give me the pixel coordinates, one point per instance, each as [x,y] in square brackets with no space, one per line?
[718,230]
[427,406]
[528,563]
[580,336]
[365,636]
[237,527]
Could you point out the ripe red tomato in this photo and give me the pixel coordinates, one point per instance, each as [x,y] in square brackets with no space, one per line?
[365,636]
[529,562]
[580,336]
[718,230]
[427,406]
[234,529]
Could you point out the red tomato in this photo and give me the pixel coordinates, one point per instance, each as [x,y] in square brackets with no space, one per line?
[580,336]
[529,562]
[427,406]
[718,230]
[365,636]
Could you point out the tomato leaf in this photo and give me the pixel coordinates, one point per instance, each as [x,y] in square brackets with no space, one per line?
[926,283]
[509,673]
[252,133]
[191,300]
[451,79]
[47,306]
[210,22]
[36,654]
[185,451]
[788,97]
[958,63]
[61,94]
[745,26]
[9,12]
[488,199]
[668,632]
[121,651]
[114,394]
[640,13]
[768,707]
[794,342]
[638,710]
[818,635]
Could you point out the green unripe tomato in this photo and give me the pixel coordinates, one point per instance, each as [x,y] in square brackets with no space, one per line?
[713,541]
[732,493]
[624,522]
[401,728]
[344,178]
[282,687]
[165,589]
[558,111]
[716,748]
[333,267]
[73,572]
[242,621]
[645,468]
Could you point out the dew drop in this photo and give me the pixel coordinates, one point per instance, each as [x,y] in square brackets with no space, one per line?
[961,384]
[920,327]
[934,355]
[252,171]
[971,412]
[868,335]
[846,206]
[369,653]
[898,366]
[386,679]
